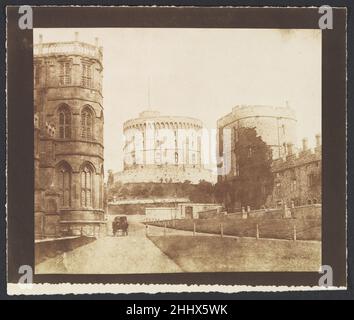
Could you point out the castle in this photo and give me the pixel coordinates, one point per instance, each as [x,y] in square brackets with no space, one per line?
[276,126]
[293,179]
[297,177]
[163,149]
[68,139]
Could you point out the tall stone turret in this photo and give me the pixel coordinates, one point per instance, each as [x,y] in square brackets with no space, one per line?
[68,99]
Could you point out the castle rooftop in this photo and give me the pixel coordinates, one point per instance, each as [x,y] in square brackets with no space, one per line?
[75,47]
[149,114]
[154,116]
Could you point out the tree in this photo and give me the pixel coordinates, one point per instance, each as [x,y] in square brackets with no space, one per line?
[219,191]
[204,192]
[254,180]
[157,190]
[123,192]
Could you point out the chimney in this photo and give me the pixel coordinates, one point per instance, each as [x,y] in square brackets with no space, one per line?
[318,140]
[40,39]
[76,36]
[304,144]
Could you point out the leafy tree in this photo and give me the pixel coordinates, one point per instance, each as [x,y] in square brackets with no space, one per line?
[136,191]
[219,191]
[123,192]
[203,192]
[157,190]
[254,180]
[223,194]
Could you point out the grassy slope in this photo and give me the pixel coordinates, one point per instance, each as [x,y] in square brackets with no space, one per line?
[213,254]
[307,229]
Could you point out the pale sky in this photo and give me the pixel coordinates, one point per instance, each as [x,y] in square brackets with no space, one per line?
[202,73]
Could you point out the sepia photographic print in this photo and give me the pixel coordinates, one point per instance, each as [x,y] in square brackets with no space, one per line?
[165,144]
[177,150]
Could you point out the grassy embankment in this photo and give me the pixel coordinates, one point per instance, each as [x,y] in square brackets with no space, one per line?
[214,254]
[306,229]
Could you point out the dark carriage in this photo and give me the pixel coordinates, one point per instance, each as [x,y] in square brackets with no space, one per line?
[120,225]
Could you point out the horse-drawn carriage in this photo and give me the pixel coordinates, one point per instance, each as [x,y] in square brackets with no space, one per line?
[120,225]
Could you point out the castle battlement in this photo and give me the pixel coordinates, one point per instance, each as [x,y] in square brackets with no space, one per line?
[263,111]
[153,119]
[250,107]
[241,112]
[68,48]
[303,156]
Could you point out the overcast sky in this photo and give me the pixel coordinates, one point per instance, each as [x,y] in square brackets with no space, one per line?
[202,73]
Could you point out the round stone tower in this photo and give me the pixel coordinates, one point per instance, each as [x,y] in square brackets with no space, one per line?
[68,97]
[161,148]
[275,125]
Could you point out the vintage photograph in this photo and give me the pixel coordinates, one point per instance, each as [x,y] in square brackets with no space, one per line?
[177,150]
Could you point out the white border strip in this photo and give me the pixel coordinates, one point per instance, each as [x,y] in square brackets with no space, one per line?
[66,288]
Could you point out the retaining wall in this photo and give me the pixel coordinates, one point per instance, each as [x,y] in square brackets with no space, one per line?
[50,248]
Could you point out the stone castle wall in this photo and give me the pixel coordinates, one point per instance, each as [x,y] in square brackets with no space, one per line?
[165,174]
[298,177]
[69,167]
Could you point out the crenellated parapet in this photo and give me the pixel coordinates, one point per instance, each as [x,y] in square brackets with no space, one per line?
[240,112]
[298,176]
[300,157]
[72,64]
[75,47]
[154,120]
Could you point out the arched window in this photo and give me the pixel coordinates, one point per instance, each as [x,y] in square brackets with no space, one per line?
[86,186]
[64,184]
[86,124]
[64,117]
